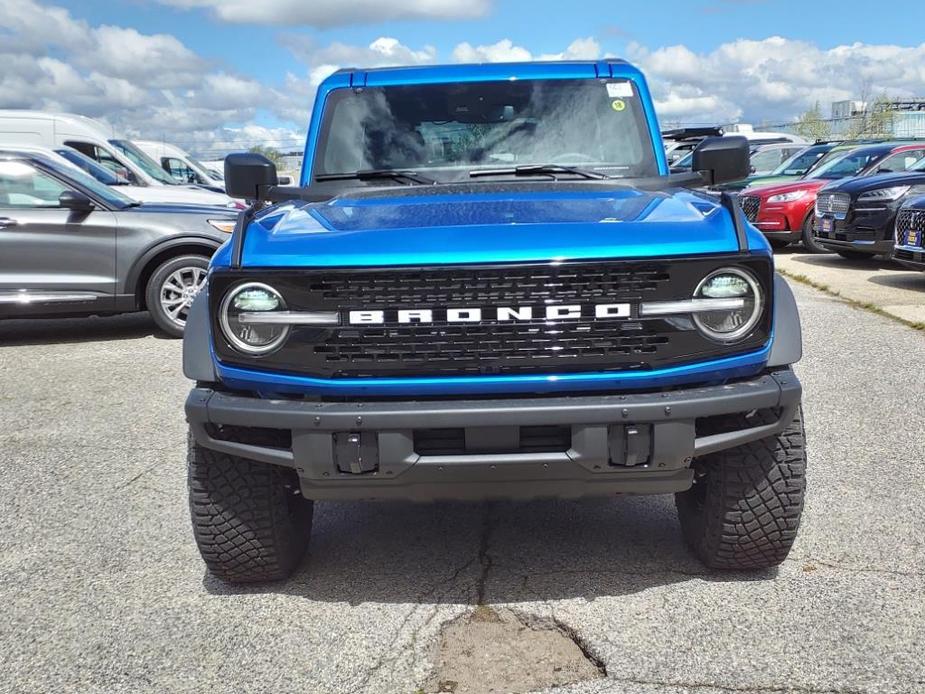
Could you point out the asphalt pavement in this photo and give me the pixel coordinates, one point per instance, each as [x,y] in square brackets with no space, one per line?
[102,590]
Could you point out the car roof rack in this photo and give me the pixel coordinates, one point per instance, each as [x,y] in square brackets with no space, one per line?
[692,133]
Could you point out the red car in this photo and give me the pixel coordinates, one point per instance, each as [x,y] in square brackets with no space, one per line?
[784,212]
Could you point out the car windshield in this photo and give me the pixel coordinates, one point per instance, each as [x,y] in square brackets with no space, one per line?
[100,173]
[143,161]
[848,164]
[205,170]
[109,195]
[800,163]
[451,130]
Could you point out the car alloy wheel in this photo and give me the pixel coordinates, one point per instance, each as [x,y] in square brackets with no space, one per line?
[178,290]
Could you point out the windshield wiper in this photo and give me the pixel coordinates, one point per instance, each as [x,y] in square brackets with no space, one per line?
[538,170]
[373,174]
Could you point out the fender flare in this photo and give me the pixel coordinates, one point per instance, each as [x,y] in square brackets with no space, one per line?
[197,342]
[131,279]
[787,347]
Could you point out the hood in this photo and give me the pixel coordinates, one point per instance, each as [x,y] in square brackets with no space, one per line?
[862,184]
[207,211]
[179,194]
[809,184]
[438,227]
[762,181]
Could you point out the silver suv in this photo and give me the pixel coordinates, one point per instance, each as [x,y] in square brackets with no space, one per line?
[70,245]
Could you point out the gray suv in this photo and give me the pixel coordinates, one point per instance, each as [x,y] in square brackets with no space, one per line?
[70,245]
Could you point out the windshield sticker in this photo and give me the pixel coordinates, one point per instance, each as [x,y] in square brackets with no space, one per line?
[619,90]
[618,104]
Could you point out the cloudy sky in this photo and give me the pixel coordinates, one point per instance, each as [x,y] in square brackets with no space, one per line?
[213,75]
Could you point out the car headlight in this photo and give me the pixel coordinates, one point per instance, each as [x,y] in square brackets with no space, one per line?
[742,305]
[787,197]
[225,225]
[253,318]
[885,194]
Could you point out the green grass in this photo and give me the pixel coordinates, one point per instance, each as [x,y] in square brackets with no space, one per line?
[863,305]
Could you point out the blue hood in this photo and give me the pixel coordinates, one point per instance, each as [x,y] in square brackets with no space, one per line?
[414,227]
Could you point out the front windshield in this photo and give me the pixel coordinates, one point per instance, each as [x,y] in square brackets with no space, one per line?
[450,130]
[110,195]
[848,164]
[800,163]
[204,170]
[100,173]
[143,161]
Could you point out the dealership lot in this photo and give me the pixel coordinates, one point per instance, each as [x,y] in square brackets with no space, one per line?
[103,589]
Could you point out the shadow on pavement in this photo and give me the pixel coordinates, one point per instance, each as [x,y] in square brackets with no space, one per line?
[48,331]
[503,552]
[910,279]
[833,260]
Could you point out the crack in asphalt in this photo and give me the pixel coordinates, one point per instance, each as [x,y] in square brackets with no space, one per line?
[484,558]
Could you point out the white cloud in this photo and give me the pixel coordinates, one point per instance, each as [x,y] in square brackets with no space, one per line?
[328,13]
[773,79]
[502,52]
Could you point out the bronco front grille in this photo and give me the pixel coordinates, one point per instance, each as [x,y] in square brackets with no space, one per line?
[910,220]
[835,204]
[490,347]
[750,206]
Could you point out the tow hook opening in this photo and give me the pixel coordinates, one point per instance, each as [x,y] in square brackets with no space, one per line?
[356,452]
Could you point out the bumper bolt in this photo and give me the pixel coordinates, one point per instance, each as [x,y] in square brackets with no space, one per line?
[625,413]
[667,411]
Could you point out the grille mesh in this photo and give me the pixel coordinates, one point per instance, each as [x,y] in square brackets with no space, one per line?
[836,204]
[750,206]
[910,220]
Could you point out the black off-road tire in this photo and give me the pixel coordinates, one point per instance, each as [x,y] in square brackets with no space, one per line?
[744,509]
[809,241]
[250,522]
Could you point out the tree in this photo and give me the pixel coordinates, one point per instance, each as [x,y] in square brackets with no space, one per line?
[270,153]
[812,126]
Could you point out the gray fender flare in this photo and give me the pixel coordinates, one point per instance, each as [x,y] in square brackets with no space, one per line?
[788,336]
[197,353]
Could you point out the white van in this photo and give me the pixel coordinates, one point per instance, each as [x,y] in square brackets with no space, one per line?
[180,165]
[93,139]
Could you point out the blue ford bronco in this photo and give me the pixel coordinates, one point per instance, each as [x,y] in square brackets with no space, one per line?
[489,285]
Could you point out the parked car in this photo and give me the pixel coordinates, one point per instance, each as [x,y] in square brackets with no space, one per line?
[500,303]
[909,236]
[70,245]
[94,140]
[180,165]
[681,141]
[755,139]
[856,217]
[785,212]
[162,194]
[797,165]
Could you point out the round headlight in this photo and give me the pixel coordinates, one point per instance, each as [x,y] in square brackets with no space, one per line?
[729,324]
[247,319]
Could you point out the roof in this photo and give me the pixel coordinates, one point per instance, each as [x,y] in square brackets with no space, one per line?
[471,72]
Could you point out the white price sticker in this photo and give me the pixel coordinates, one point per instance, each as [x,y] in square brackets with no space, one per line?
[619,90]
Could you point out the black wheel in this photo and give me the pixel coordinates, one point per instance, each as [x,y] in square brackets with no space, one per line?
[744,509]
[806,235]
[249,519]
[855,255]
[171,290]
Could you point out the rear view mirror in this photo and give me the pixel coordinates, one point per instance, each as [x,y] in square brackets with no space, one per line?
[76,201]
[248,175]
[722,159]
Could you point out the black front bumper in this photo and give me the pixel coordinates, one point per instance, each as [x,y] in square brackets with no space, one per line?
[633,443]
[867,230]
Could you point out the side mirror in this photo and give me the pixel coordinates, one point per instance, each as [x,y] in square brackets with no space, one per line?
[248,175]
[76,201]
[722,159]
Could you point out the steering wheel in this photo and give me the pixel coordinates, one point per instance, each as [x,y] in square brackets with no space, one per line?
[572,158]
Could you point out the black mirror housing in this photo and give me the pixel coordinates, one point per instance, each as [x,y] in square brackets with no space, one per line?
[76,201]
[249,175]
[722,159]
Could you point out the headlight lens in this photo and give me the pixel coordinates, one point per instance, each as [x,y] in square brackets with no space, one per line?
[885,194]
[730,324]
[246,318]
[787,197]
